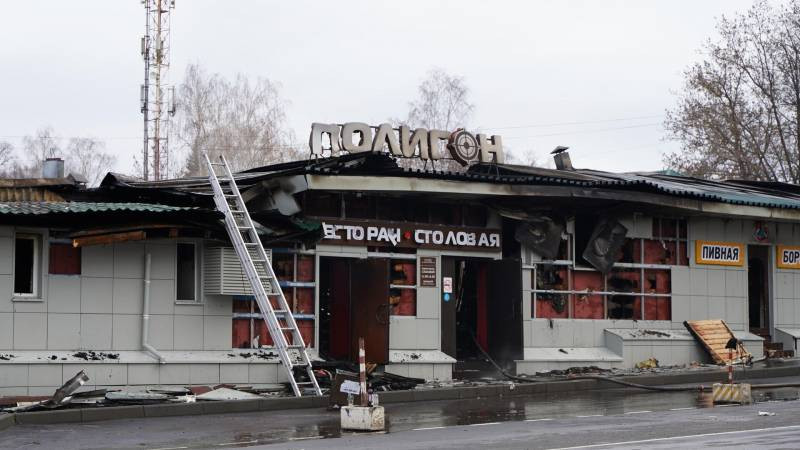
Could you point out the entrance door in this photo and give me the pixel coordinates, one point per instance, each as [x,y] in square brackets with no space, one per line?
[505,310]
[758,288]
[369,293]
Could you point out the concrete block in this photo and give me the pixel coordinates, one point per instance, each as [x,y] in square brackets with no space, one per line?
[6,258]
[443,372]
[233,373]
[143,374]
[112,413]
[97,295]
[30,331]
[174,373]
[95,331]
[48,417]
[398,369]
[263,373]
[6,330]
[188,332]
[129,260]
[110,375]
[428,334]
[175,409]
[424,371]
[161,331]
[44,375]
[362,418]
[162,260]
[128,295]
[64,294]
[231,406]
[13,374]
[63,331]
[97,261]
[204,374]
[217,332]
[126,332]
[162,297]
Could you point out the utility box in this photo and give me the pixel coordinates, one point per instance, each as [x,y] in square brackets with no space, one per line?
[732,393]
[362,418]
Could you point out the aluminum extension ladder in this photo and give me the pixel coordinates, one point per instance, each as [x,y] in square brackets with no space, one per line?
[262,278]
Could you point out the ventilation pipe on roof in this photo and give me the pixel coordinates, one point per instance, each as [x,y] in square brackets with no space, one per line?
[561,157]
[53,168]
[146,313]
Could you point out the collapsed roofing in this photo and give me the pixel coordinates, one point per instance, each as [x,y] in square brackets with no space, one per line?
[659,188]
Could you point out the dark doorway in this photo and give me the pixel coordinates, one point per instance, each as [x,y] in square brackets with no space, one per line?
[354,302]
[483,309]
[758,288]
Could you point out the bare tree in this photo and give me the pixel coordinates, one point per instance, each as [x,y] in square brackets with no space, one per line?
[738,114]
[242,119]
[442,103]
[8,161]
[87,156]
[82,155]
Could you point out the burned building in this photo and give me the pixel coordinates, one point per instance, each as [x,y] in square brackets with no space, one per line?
[541,268]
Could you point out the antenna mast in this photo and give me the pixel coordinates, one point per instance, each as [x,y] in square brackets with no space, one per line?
[157,98]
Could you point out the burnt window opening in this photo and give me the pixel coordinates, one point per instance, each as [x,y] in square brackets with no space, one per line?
[322,204]
[26,264]
[358,206]
[186,273]
[584,226]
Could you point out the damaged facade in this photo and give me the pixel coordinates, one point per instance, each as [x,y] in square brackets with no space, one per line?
[544,269]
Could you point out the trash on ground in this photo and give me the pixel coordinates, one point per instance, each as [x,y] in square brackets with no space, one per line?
[227,394]
[765,413]
[650,363]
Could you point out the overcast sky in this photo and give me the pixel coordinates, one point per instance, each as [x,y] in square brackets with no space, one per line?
[593,75]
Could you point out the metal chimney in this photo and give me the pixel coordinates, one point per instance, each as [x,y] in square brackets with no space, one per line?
[562,161]
[53,168]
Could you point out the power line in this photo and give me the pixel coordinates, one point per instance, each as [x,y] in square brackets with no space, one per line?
[556,124]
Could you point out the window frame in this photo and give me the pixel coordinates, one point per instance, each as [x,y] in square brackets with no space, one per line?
[39,261]
[572,266]
[198,293]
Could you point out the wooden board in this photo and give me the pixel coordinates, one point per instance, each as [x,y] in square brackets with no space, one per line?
[714,335]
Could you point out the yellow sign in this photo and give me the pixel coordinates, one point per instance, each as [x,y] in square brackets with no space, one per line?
[788,257]
[719,253]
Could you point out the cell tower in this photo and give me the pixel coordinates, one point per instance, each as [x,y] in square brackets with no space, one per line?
[157,99]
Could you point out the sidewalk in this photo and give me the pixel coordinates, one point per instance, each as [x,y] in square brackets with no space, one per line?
[769,369]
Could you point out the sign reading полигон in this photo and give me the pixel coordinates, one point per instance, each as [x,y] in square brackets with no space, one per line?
[403,142]
[788,257]
[719,253]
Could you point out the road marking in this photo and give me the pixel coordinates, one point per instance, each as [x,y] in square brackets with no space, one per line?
[590,415]
[427,428]
[690,436]
[482,424]
[683,409]
[537,420]
[235,443]
[637,412]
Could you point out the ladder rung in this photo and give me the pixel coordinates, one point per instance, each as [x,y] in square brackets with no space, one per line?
[251,243]
[295,346]
[243,228]
[303,382]
[287,328]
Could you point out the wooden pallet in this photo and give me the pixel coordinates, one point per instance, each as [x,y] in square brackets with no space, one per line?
[714,335]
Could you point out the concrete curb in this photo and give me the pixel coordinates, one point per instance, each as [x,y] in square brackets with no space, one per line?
[282,403]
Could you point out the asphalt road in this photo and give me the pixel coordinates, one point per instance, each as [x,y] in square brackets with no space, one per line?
[621,417]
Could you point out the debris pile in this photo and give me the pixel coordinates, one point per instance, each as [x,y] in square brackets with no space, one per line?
[93,356]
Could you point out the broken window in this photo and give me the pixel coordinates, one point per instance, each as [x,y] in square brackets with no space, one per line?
[64,259]
[27,253]
[403,287]
[296,273]
[186,273]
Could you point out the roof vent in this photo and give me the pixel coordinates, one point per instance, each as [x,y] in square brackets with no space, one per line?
[53,168]
[561,157]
